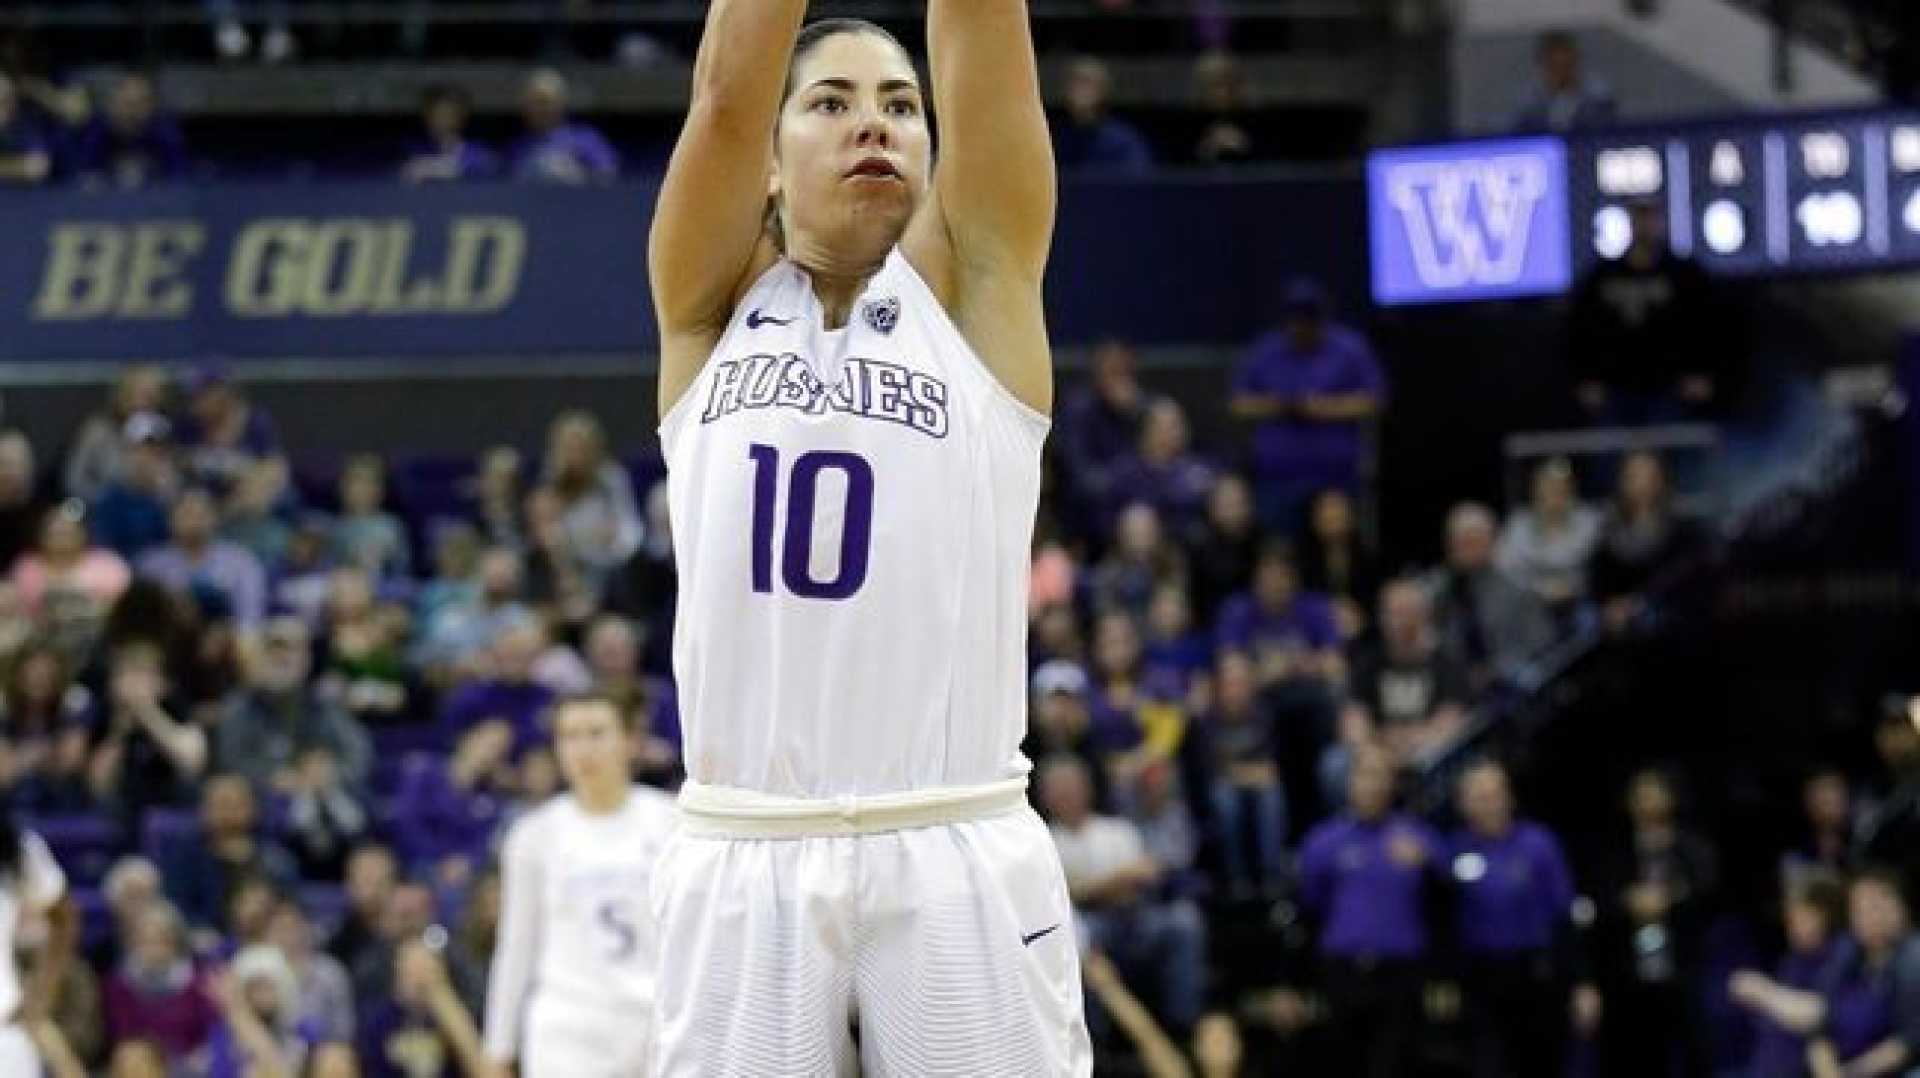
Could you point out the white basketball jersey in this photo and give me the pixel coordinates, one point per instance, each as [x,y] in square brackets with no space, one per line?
[38,884]
[575,923]
[852,516]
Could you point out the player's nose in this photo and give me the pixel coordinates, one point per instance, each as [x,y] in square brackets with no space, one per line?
[874,131]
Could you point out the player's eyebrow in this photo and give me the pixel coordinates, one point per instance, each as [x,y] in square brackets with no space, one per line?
[846,85]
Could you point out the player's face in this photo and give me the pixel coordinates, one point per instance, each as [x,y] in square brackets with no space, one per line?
[592,745]
[853,146]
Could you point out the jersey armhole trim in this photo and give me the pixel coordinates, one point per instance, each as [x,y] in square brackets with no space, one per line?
[670,420]
[1038,421]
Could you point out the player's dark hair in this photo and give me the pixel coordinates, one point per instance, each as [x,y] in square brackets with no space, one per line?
[815,33]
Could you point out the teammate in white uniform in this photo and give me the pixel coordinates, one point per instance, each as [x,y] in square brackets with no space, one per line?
[854,388]
[571,990]
[31,885]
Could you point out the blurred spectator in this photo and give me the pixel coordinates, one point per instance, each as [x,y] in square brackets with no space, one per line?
[601,522]
[365,670]
[76,1010]
[252,519]
[1135,716]
[1411,687]
[1563,97]
[1290,633]
[143,757]
[1247,795]
[1869,1013]
[208,570]
[612,650]
[456,571]
[45,715]
[460,633]
[1165,472]
[1087,138]
[498,491]
[445,152]
[321,985]
[131,143]
[1062,720]
[223,432]
[1647,339]
[202,872]
[1338,562]
[157,995]
[450,809]
[1364,879]
[1228,545]
[372,873]
[1826,843]
[99,445]
[131,510]
[1784,1009]
[1156,805]
[1643,537]
[554,148]
[141,1058]
[131,887]
[21,507]
[1547,545]
[323,816]
[366,535]
[1174,648]
[1115,886]
[303,583]
[426,1025]
[1653,916]
[258,1032]
[67,582]
[1315,388]
[1099,426]
[272,722]
[1158,1055]
[508,692]
[1889,825]
[231,39]
[1228,130]
[1488,621]
[25,159]
[647,587]
[1515,899]
[1142,558]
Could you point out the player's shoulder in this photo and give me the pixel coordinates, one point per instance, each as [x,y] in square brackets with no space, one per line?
[538,820]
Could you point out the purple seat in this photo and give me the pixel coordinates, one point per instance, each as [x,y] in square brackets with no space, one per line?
[85,845]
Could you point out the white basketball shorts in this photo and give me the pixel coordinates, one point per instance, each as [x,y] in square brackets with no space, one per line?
[951,945]
[566,1039]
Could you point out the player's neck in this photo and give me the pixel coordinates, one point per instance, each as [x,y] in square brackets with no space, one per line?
[602,801]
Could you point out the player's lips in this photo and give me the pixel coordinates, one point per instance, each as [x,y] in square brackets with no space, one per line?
[874,168]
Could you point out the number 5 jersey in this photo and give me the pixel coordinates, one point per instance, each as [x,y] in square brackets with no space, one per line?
[852,514]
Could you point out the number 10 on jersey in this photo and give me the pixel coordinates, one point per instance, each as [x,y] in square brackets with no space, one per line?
[803,491]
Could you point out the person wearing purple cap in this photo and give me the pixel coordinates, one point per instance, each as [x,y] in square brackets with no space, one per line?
[556,149]
[223,432]
[1313,387]
[130,514]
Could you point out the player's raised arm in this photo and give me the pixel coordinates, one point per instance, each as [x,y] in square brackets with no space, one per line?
[713,201]
[993,187]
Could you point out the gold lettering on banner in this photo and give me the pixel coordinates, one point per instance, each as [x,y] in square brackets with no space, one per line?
[342,268]
[392,294]
[485,257]
[266,272]
[156,270]
[82,274]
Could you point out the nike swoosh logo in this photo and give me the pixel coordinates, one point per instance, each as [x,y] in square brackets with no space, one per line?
[1027,940]
[755,320]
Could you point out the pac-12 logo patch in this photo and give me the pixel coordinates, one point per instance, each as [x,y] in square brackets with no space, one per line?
[882,314]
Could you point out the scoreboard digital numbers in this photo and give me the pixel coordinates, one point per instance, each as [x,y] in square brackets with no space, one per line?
[1788,195]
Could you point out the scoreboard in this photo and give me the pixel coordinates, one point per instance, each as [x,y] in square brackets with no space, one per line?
[1748,197]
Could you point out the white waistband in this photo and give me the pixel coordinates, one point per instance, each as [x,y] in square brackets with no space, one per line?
[730,812]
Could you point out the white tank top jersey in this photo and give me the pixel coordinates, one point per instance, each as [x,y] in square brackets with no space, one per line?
[574,919]
[39,884]
[852,515]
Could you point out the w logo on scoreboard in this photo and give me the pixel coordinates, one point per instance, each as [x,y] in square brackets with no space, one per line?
[1469,222]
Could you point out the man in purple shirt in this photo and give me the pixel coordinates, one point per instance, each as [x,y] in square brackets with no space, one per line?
[1087,138]
[1098,428]
[132,144]
[554,149]
[224,433]
[197,565]
[446,153]
[1364,879]
[510,693]
[1313,387]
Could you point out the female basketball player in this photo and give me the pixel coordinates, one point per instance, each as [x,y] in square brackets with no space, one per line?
[854,387]
[574,964]
[31,883]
